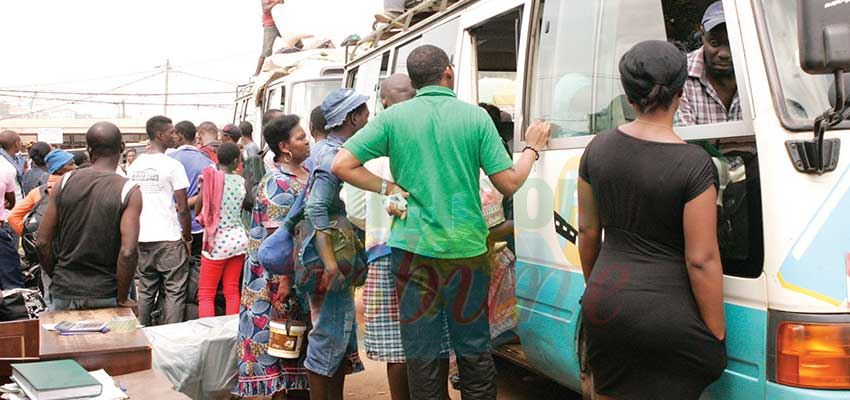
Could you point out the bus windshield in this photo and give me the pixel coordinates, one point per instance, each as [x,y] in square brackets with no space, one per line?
[804,96]
[307,95]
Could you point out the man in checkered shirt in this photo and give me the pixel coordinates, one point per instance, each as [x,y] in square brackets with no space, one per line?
[710,95]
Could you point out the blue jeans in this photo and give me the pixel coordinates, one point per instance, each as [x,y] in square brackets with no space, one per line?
[333,338]
[63,304]
[10,260]
[432,291]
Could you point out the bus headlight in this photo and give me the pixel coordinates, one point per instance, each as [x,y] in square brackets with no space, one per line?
[813,355]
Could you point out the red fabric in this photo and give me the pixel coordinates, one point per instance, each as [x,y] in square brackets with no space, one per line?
[267,17]
[211,208]
[210,151]
[215,271]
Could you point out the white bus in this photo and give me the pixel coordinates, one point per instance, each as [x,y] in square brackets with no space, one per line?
[787,252]
[298,84]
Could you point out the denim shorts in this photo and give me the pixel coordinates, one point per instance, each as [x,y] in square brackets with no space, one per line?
[332,341]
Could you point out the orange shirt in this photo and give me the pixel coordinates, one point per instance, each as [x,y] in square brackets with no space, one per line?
[23,207]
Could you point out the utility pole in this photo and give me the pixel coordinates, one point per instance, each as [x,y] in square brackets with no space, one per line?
[165,99]
[123,111]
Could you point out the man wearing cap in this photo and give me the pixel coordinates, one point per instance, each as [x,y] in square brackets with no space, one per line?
[332,343]
[710,95]
[88,239]
[231,133]
[437,145]
[58,162]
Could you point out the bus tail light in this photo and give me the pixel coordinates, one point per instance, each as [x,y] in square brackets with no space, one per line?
[813,355]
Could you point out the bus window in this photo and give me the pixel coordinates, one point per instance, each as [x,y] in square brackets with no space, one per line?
[575,84]
[276,99]
[496,48]
[443,36]
[307,95]
[368,79]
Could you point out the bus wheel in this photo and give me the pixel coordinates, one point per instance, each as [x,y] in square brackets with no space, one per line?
[587,390]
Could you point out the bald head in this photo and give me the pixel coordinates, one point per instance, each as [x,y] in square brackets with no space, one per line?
[104,141]
[10,141]
[396,89]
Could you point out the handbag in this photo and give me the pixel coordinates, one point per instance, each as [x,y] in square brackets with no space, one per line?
[277,251]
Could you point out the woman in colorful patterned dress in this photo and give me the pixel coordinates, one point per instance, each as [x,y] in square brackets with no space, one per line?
[262,376]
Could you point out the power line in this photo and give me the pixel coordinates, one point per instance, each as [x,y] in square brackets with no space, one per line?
[36,92]
[82,80]
[205,78]
[85,98]
[114,102]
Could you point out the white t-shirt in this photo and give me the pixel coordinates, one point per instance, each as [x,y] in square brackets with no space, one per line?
[378,222]
[158,177]
[8,178]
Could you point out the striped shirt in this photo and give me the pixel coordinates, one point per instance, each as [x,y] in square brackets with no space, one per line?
[700,104]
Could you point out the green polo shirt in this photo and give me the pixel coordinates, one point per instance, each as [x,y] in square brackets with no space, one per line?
[437,145]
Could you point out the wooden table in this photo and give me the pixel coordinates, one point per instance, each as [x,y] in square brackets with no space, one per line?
[149,384]
[117,353]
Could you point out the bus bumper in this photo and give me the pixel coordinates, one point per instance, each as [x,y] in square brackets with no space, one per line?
[776,391]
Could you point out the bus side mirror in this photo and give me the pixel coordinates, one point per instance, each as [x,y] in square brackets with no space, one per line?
[824,41]
[824,35]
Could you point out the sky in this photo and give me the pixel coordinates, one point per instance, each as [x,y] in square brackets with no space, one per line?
[96,45]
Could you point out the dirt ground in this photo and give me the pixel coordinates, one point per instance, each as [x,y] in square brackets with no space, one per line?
[514,383]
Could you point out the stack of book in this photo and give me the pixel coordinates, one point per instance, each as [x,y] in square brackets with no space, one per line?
[55,380]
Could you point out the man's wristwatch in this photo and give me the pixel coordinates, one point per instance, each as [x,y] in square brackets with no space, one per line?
[383,187]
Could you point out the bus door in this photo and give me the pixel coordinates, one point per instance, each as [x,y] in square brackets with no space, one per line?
[573,81]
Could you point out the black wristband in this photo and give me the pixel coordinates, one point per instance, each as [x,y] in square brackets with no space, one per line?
[536,153]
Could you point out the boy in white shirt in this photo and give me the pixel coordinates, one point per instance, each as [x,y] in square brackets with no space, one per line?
[165,234]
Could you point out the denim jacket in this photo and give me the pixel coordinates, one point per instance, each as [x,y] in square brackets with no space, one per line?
[325,211]
[323,201]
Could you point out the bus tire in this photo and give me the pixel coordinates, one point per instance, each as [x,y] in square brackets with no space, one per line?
[587,387]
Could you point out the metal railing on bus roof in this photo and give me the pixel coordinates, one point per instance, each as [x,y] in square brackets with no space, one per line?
[401,24]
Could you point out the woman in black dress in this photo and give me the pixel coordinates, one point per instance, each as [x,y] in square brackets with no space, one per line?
[653,308]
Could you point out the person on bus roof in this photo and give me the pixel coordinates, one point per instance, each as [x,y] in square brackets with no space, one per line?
[711,91]
[270,32]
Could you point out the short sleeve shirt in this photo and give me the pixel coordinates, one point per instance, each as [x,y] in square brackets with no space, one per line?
[158,177]
[641,187]
[437,146]
[8,176]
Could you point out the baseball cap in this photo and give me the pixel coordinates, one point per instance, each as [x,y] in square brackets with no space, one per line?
[713,16]
[232,130]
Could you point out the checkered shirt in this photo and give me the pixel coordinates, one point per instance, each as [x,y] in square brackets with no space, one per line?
[700,104]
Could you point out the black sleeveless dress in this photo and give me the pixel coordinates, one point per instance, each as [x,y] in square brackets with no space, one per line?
[646,338]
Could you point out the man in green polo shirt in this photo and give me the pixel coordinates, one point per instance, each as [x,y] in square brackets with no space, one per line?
[437,145]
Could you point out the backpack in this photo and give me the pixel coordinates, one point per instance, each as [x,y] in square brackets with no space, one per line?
[31,222]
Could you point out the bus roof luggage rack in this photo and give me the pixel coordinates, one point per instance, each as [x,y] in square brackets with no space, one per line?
[402,23]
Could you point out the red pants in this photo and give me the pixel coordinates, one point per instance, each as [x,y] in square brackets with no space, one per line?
[212,272]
